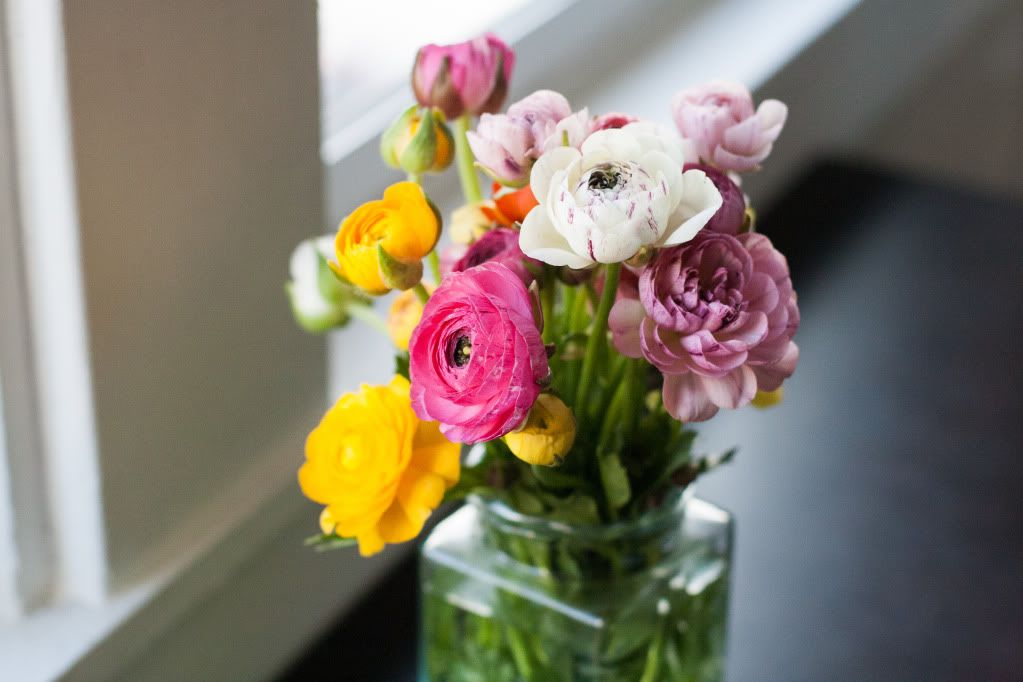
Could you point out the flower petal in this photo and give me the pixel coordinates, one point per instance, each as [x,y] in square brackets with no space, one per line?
[686,399]
[698,203]
[539,239]
[547,165]
[735,389]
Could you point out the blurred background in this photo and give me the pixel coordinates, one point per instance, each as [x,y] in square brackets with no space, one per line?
[159,160]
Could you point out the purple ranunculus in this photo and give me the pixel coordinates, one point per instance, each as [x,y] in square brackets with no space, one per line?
[716,316]
[500,245]
[732,214]
[476,359]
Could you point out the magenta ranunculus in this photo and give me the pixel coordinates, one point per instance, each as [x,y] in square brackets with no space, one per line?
[716,315]
[732,214]
[612,120]
[500,245]
[719,119]
[476,360]
[507,145]
[470,77]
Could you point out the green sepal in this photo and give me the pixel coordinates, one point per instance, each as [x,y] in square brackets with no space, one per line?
[420,154]
[398,274]
[323,542]
[501,181]
[335,318]
[392,136]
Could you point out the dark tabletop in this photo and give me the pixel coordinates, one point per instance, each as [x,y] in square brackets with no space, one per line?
[879,510]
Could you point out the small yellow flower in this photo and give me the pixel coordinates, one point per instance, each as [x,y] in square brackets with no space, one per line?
[379,470]
[382,237]
[765,399]
[406,310]
[472,221]
[547,435]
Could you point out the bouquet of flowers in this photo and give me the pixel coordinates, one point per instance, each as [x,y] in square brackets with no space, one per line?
[609,290]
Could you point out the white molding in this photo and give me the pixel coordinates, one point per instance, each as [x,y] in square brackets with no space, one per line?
[50,241]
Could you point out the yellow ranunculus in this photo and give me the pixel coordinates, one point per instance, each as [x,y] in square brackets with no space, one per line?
[378,468]
[547,435]
[406,310]
[404,225]
[764,399]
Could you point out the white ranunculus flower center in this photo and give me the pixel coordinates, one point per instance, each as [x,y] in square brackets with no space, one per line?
[623,190]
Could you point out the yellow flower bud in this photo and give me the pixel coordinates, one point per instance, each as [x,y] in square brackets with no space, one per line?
[472,221]
[406,309]
[379,470]
[765,399]
[547,435]
[418,142]
[382,243]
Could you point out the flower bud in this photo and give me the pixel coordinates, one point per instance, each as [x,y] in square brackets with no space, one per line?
[472,221]
[765,399]
[319,299]
[470,77]
[398,274]
[547,435]
[418,142]
[404,315]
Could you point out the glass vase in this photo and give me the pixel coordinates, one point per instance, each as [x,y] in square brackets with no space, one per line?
[508,597]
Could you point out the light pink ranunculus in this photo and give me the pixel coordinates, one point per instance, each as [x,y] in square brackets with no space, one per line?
[507,145]
[476,360]
[720,121]
[470,77]
[716,315]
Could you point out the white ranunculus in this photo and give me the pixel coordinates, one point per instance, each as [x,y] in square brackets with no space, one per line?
[624,190]
[318,299]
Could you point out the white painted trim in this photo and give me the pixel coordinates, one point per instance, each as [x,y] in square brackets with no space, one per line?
[54,280]
[10,600]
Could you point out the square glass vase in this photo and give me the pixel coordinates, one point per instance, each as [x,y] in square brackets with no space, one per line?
[508,597]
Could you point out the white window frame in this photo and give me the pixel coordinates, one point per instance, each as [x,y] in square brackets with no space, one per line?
[154,627]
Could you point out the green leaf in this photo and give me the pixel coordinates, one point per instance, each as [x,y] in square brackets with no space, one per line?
[615,480]
[577,509]
[401,364]
[323,542]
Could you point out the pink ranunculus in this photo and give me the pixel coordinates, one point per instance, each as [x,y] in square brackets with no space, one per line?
[476,360]
[507,145]
[716,315]
[500,245]
[612,120]
[719,119]
[470,77]
[732,214]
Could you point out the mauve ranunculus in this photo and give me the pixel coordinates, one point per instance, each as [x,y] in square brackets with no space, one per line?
[507,145]
[500,245]
[476,360]
[470,77]
[716,316]
[719,119]
[732,214]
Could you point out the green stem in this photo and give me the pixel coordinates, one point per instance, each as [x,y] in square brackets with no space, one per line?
[365,313]
[434,260]
[421,293]
[547,306]
[597,334]
[416,178]
[464,159]
[652,670]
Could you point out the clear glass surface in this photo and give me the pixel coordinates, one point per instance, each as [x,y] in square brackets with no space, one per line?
[508,597]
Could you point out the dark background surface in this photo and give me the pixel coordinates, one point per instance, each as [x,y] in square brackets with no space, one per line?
[879,510]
